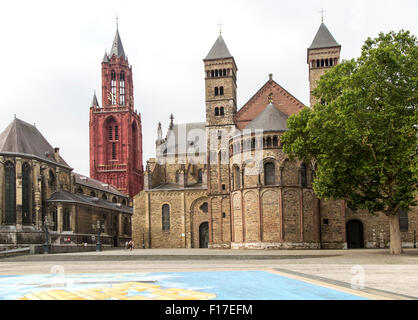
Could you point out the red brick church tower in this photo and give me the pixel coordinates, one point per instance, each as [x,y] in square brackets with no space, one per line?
[115,127]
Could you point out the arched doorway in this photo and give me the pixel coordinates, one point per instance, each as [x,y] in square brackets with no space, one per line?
[203,235]
[355,236]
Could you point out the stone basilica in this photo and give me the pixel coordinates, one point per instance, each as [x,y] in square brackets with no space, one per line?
[226,182]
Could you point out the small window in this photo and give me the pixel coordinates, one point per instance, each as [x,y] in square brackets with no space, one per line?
[326,222]
[269,173]
[166,217]
[199,176]
[216,91]
[237,178]
[275,141]
[104,196]
[116,133]
[113,150]
[303,177]
[221,111]
[219,134]
[221,91]
[212,73]
[223,215]
[204,207]
[216,73]
[216,111]
[223,187]
[110,132]
[66,225]
[93,194]
[10,193]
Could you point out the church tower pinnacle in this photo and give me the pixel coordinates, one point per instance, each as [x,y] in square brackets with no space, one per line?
[115,127]
[323,54]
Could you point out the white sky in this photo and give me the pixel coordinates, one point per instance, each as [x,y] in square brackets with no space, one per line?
[51,55]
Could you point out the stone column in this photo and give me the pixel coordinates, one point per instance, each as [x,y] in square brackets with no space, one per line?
[59,217]
[36,176]
[120,224]
[19,194]
[73,218]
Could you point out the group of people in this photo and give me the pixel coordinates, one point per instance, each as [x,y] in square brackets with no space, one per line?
[129,245]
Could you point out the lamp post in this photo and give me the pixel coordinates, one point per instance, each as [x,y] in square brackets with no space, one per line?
[46,245]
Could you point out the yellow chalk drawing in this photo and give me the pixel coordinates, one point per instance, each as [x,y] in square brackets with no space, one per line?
[121,291]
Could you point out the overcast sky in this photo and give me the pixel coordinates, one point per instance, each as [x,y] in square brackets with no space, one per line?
[51,55]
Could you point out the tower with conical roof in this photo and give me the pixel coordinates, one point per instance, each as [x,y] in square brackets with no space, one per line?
[115,127]
[221,107]
[323,54]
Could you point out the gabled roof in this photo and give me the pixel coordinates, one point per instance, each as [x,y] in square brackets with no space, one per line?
[65,196]
[117,47]
[219,50]
[270,119]
[25,139]
[323,39]
[96,184]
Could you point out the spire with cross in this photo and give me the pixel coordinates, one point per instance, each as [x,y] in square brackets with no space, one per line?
[220,27]
[117,22]
[322,14]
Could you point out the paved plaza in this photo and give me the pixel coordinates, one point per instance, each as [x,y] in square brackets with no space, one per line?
[212,274]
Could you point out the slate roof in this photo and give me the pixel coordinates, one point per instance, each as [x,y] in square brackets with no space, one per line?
[23,138]
[186,135]
[219,50]
[94,102]
[323,39]
[105,57]
[96,184]
[117,47]
[65,196]
[270,119]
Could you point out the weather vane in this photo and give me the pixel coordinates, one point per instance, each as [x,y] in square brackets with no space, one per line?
[117,21]
[322,14]
[220,27]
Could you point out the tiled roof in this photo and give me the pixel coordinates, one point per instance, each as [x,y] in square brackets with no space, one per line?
[25,139]
[96,184]
[65,196]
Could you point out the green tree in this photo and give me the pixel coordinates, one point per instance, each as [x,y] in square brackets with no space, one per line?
[362,136]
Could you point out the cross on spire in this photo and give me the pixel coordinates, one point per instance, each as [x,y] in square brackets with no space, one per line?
[117,22]
[220,27]
[322,14]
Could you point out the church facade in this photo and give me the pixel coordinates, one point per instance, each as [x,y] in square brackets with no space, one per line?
[43,201]
[226,182]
